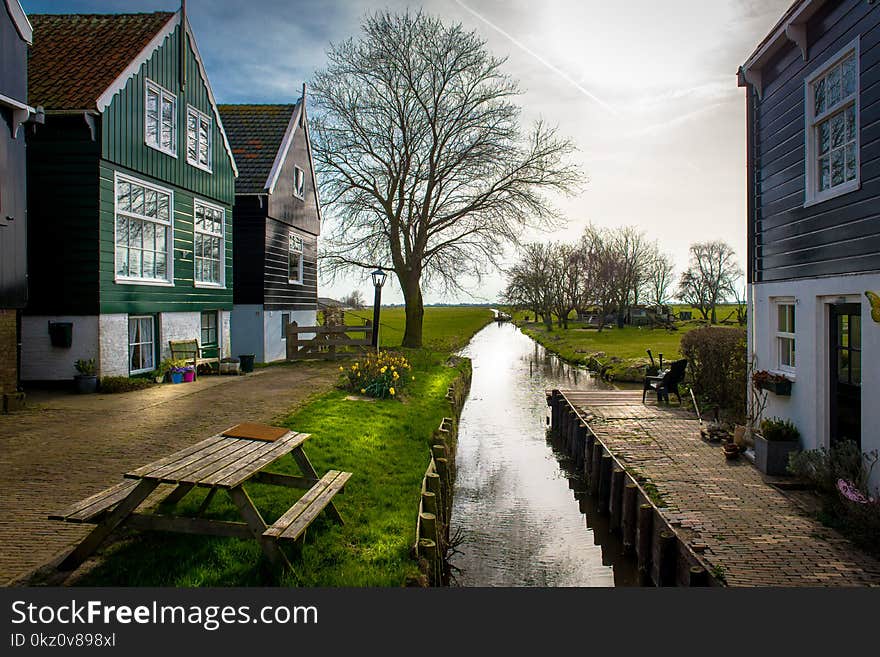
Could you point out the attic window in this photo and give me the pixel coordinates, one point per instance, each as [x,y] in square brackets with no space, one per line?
[160,121]
[299,182]
[198,138]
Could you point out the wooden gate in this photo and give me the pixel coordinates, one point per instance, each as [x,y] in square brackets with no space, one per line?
[325,340]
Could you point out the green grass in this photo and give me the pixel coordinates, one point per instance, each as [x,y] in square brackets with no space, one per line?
[444,329]
[385,444]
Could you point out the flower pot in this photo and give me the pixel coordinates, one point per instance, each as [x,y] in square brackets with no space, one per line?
[247,362]
[230,366]
[780,388]
[85,383]
[771,456]
[189,376]
[176,377]
[731,451]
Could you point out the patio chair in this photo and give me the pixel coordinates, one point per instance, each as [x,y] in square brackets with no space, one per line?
[666,381]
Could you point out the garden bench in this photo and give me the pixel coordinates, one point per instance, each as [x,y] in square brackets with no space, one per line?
[223,462]
[666,381]
[191,352]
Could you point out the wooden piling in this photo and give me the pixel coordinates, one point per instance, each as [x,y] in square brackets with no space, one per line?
[698,576]
[606,463]
[664,559]
[428,526]
[615,502]
[644,532]
[429,502]
[588,453]
[433,485]
[594,469]
[629,517]
[428,551]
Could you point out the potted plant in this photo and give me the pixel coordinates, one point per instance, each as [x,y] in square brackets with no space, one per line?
[189,374]
[87,380]
[176,374]
[774,444]
[775,383]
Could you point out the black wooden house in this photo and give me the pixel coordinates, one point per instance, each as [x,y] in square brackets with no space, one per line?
[276,227]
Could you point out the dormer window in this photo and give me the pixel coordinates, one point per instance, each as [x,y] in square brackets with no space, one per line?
[160,121]
[299,182]
[198,138]
[833,127]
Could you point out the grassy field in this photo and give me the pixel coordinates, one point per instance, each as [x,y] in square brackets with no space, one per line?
[384,443]
[444,329]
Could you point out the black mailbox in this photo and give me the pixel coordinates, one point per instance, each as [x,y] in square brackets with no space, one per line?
[61,334]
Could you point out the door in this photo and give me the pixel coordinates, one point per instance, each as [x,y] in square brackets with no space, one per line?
[210,343]
[846,372]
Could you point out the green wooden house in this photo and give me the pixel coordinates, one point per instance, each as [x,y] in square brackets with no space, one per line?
[131,187]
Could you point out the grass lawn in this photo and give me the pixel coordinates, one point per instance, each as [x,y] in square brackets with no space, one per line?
[446,328]
[384,443]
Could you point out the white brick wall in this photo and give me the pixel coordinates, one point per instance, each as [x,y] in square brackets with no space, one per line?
[40,361]
[113,335]
[178,326]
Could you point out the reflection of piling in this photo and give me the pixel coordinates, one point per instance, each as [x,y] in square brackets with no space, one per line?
[644,531]
[605,465]
[615,502]
[629,517]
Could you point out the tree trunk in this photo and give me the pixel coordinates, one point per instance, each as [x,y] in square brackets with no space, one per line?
[415,311]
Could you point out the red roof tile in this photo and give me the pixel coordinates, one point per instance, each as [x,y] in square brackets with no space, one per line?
[75,57]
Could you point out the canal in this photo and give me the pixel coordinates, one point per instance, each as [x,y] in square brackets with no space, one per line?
[519,506]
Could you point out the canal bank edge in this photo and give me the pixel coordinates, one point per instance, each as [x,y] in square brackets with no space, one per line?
[663,556]
[432,539]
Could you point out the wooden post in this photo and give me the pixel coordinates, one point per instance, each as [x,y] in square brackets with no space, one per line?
[428,551]
[443,470]
[604,482]
[429,502]
[581,444]
[616,502]
[644,532]
[629,517]
[594,469]
[432,484]
[291,339]
[428,526]
[588,453]
[697,576]
[665,558]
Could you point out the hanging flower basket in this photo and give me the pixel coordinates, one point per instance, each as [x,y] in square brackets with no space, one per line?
[775,383]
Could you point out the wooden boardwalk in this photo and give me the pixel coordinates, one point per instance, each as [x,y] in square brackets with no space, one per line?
[742,530]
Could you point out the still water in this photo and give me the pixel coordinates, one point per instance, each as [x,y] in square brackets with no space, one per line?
[519,505]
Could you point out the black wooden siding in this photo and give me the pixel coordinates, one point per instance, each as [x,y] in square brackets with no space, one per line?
[279,292]
[841,235]
[249,229]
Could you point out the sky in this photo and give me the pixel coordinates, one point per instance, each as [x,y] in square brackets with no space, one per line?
[646,90]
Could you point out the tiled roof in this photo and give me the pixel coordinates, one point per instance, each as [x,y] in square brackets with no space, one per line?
[75,57]
[255,133]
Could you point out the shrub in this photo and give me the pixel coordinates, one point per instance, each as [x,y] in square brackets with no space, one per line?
[85,367]
[777,429]
[718,364]
[114,384]
[378,375]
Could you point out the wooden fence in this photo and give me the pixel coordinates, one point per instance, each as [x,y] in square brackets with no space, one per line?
[325,340]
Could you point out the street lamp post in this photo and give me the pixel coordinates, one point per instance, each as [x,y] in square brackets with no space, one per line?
[378,281]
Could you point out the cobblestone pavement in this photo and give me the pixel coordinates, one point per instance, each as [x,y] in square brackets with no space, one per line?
[65,447]
[756,534]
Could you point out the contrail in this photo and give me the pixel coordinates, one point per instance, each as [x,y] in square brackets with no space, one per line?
[526,49]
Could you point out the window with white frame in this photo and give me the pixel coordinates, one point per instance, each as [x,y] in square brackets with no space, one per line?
[209,246]
[295,259]
[141,345]
[833,127]
[160,124]
[143,232]
[299,182]
[785,336]
[209,328]
[198,138]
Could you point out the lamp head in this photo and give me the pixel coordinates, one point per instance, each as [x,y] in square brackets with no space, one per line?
[379,277]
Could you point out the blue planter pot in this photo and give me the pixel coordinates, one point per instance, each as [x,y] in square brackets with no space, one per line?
[176,377]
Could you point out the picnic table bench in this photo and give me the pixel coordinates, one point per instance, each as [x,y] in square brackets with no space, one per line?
[191,352]
[225,461]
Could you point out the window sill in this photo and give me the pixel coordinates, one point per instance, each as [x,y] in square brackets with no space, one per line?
[143,281]
[827,195]
[211,286]
[790,375]
[290,282]
[196,165]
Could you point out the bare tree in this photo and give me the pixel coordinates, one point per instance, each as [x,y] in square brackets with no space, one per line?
[355,300]
[422,159]
[710,277]
[530,282]
[660,276]
[604,270]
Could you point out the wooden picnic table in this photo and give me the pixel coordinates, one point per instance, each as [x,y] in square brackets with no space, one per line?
[225,461]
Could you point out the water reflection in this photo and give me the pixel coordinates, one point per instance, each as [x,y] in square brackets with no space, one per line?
[518,501]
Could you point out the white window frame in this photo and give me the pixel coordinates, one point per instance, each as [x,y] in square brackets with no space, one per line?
[128,329]
[779,336]
[221,285]
[200,116]
[299,174]
[216,315]
[812,194]
[302,248]
[168,281]
[163,94]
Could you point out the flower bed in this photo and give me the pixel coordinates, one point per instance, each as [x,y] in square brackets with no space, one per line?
[378,375]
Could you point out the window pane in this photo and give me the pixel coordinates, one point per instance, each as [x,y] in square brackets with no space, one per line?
[836,167]
[850,113]
[838,131]
[791,319]
[200,217]
[850,161]
[150,205]
[149,235]
[849,75]
[134,263]
[121,230]
[123,196]
[832,85]
[121,261]
[781,323]
[843,365]
[161,268]
[149,264]
[843,330]
[824,137]
[191,122]
[161,239]
[167,124]
[203,143]
[855,326]
[163,207]
[824,173]
[152,117]
[137,199]
[819,105]
[856,367]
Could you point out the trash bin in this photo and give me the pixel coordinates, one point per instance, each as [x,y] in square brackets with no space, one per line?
[247,362]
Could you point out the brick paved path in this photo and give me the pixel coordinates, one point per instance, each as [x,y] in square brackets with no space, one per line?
[754,532]
[65,447]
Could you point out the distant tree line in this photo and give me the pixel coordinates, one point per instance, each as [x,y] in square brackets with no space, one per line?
[609,271]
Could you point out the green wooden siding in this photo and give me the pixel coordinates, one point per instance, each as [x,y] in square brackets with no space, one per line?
[184,296]
[123,134]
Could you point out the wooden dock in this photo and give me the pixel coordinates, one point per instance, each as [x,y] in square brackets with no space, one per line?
[688,515]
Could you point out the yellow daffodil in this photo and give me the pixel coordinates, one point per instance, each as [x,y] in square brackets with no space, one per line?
[341,368]
[363,390]
[391,391]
